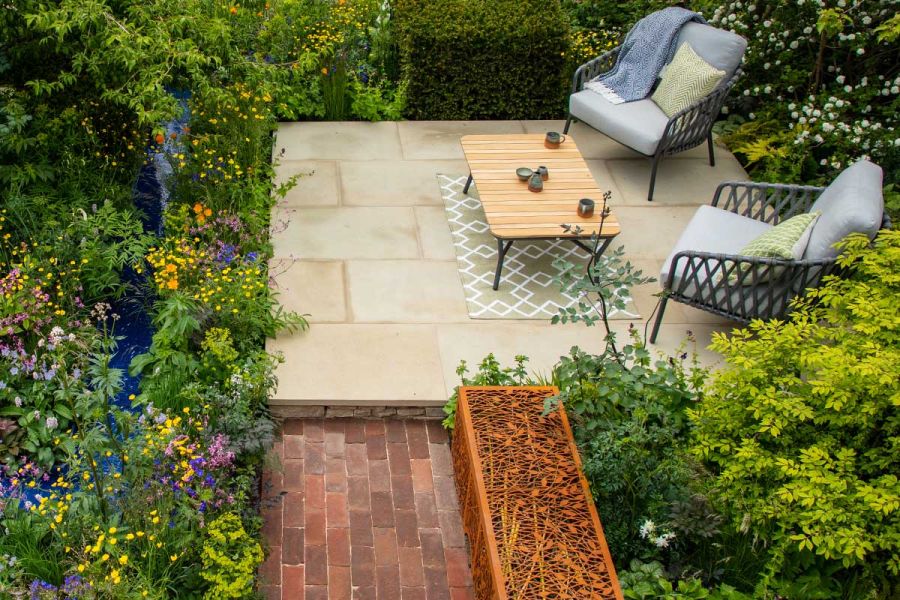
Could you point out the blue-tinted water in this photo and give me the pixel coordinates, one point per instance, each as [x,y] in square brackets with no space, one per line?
[150,193]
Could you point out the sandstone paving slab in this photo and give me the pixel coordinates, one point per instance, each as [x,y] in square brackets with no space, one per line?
[675,338]
[406,291]
[345,233]
[317,184]
[650,231]
[679,180]
[314,288]
[434,233]
[331,140]
[605,181]
[440,139]
[541,342]
[352,364]
[395,183]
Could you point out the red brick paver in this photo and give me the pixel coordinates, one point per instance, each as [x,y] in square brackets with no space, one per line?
[363,509]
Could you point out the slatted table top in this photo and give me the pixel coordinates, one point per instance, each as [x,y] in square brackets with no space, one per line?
[512,211]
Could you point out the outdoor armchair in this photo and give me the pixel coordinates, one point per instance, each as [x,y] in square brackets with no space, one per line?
[642,125]
[705,269]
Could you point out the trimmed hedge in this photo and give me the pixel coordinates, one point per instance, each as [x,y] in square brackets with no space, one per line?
[483,59]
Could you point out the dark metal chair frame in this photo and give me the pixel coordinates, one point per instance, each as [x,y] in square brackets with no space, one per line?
[686,129]
[766,286]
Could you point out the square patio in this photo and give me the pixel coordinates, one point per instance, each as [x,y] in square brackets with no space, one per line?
[362,245]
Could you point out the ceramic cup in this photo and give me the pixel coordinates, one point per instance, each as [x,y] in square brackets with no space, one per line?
[544,172]
[585,208]
[535,184]
[554,139]
[524,173]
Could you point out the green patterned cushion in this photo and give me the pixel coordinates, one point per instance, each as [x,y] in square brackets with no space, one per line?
[686,79]
[787,240]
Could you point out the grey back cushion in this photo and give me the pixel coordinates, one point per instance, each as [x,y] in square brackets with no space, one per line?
[853,203]
[722,49]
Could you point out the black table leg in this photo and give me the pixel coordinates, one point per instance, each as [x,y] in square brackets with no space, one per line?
[468,183]
[502,249]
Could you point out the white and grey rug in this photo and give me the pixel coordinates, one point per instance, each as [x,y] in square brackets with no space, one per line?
[528,289]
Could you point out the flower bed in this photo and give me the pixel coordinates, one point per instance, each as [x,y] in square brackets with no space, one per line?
[532,526]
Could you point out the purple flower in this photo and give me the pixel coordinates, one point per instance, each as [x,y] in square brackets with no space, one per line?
[52,422]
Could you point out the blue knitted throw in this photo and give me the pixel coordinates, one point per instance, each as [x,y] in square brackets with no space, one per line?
[647,48]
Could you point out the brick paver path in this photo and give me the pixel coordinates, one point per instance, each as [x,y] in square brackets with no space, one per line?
[364,509]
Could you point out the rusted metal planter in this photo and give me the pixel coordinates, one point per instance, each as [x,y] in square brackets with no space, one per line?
[527,509]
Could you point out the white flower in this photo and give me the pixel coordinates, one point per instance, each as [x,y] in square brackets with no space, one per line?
[663,540]
[840,79]
[647,529]
[860,51]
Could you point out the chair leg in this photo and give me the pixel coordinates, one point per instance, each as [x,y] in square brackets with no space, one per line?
[712,154]
[659,318]
[568,124]
[656,160]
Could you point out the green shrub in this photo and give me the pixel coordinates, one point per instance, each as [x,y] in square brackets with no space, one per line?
[230,558]
[820,89]
[483,59]
[801,429]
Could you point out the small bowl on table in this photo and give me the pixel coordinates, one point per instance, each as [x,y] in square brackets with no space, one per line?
[524,173]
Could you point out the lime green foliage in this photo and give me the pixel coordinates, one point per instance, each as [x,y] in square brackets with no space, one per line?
[481,59]
[490,372]
[802,430]
[230,558]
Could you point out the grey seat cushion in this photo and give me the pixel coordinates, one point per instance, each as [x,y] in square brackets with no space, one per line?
[853,203]
[722,49]
[714,230]
[639,125]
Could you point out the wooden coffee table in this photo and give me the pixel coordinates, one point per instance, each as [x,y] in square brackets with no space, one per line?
[514,213]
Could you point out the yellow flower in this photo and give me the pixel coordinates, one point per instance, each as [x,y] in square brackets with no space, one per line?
[123,560]
[173,558]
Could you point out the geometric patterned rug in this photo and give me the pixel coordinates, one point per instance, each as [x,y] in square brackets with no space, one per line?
[528,287]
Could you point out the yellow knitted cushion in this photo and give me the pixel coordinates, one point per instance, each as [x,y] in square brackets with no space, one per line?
[686,79]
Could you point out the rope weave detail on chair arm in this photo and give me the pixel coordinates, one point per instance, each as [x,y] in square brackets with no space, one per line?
[690,126]
[766,202]
[594,67]
[742,287]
